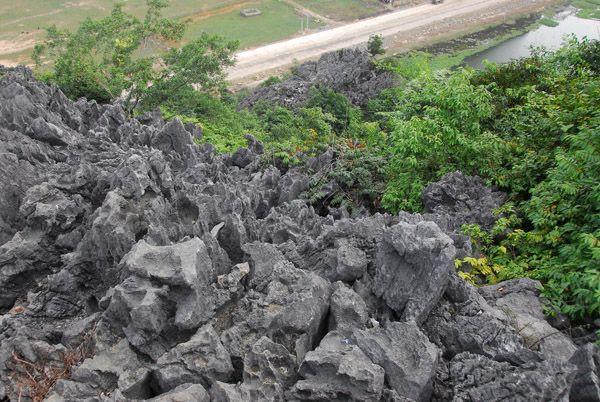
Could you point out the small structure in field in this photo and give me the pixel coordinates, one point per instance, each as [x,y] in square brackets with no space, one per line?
[250,12]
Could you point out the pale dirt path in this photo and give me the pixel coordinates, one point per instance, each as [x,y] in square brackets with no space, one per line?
[270,57]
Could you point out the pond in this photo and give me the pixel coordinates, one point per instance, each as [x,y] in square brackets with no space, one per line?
[551,37]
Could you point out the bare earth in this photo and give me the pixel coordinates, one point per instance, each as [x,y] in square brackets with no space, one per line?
[402,28]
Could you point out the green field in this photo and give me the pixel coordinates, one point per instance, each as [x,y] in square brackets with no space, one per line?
[22,22]
[277,21]
[343,10]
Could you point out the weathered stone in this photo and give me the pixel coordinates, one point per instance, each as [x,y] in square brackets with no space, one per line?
[338,370]
[141,313]
[519,300]
[202,359]
[458,199]
[472,326]
[586,387]
[413,268]
[408,358]
[351,263]
[479,378]
[269,370]
[242,157]
[172,137]
[348,310]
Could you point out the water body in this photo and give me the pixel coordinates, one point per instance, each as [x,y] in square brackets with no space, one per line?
[550,37]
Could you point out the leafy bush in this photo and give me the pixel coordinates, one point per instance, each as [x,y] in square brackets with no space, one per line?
[270,81]
[436,130]
[354,179]
[548,112]
[331,102]
[375,45]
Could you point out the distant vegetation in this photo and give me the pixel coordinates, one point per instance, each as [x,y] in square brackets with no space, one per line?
[110,57]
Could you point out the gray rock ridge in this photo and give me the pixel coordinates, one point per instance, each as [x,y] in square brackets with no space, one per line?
[350,72]
[203,277]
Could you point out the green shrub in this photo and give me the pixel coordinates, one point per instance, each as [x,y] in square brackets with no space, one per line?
[437,130]
[270,81]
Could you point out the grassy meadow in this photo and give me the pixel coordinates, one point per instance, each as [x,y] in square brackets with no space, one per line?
[277,21]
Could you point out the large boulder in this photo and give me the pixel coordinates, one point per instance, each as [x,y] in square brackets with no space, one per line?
[338,370]
[414,265]
[406,355]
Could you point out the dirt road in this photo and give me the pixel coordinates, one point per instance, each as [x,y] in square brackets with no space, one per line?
[267,58]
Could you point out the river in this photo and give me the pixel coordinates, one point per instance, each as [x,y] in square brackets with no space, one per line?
[550,37]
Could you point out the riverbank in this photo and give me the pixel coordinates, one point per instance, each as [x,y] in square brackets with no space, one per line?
[465,49]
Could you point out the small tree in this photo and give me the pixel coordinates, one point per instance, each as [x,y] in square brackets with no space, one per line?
[109,58]
[375,45]
[197,66]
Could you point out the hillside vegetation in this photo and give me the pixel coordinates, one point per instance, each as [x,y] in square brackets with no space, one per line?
[531,127]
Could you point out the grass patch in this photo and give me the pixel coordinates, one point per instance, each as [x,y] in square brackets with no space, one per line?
[548,22]
[584,4]
[589,14]
[343,10]
[276,22]
[588,8]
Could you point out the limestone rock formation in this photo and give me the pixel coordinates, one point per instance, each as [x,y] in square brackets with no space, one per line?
[347,71]
[158,270]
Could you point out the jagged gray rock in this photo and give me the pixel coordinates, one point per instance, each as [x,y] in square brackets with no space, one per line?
[347,71]
[479,378]
[464,322]
[338,370]
[199,276]
[586,387]
[408,358]
[202,359]
[414,266]
[348,311]
[519,300]
[458,199]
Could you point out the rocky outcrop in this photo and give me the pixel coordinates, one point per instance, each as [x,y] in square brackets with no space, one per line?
[196,276]
[350,72]
[458,199]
